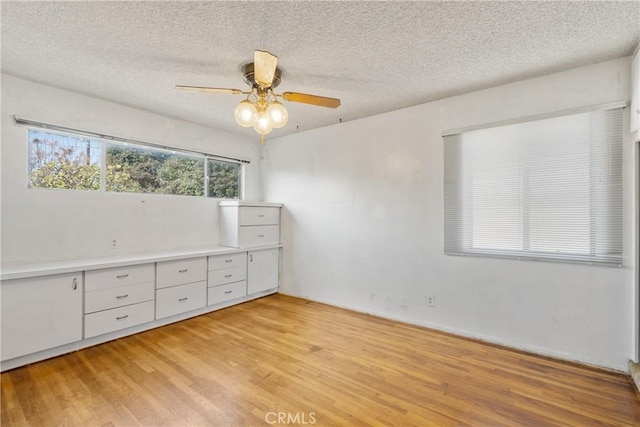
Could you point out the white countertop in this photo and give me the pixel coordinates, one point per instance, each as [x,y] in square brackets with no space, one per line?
[24,270]
[246,203]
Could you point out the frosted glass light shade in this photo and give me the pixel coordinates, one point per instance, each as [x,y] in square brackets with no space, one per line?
[263,124]
[277,114]
[246,114]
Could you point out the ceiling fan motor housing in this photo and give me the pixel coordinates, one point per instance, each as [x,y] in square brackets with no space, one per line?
[249,76]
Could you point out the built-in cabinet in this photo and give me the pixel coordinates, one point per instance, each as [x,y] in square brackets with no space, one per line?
[46,314]
[40,313]
[246,224]
[635,93]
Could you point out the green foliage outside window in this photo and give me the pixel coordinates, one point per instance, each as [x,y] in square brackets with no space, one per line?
[57,174]
[224,180]
[155,171]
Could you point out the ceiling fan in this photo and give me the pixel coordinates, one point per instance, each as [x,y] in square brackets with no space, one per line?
[261,109]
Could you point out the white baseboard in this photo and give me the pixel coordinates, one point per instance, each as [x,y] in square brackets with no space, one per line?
[466,334]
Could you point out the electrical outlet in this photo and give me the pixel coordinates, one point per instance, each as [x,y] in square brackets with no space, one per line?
[114,244]
[431,301]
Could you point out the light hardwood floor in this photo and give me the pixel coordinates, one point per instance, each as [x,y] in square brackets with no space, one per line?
[287,359]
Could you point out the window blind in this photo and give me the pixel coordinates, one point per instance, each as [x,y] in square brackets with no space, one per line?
[548,189]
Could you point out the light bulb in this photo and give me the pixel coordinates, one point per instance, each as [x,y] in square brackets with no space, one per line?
[263,124]
[277,114]
[246,114]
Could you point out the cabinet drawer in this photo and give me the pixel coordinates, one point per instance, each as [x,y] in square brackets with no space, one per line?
[227,275]
[257,215]
[104,299]
[179,272]
[118,276]
[179,299]
[218,294]
[106,321]
[259,235]
[219,262]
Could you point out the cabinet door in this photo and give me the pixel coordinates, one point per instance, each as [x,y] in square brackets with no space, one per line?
[262,271]
[40,313]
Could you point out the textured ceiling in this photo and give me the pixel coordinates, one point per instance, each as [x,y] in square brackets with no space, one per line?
[375,56]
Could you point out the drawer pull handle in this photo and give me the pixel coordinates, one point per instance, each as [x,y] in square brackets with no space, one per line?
[122,296]
[260,235]
[122,276]
[75,283]
[183,299]
[122,317]
[228,260]
[226,276]
[228,292]
[183,271]
[261,216]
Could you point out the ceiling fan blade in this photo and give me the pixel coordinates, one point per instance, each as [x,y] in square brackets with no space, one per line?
[209,89]
[321,101]
[264,69]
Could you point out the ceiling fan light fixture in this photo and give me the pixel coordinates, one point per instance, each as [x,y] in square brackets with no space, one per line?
[263,125]
[277,114]
[261,109]
[246,114]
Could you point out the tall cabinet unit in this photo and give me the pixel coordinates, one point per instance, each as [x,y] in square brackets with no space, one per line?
[40,313]
[252,225]
[247,224]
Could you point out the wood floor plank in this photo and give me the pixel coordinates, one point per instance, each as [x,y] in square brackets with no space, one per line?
[263,361]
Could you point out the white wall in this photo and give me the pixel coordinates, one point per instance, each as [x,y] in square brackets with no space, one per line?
[363,227]
[47,225]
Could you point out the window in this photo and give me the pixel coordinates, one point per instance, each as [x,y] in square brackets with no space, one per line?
[73,162]
[544,189]
[61,161]
[135,169]
[223,179]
